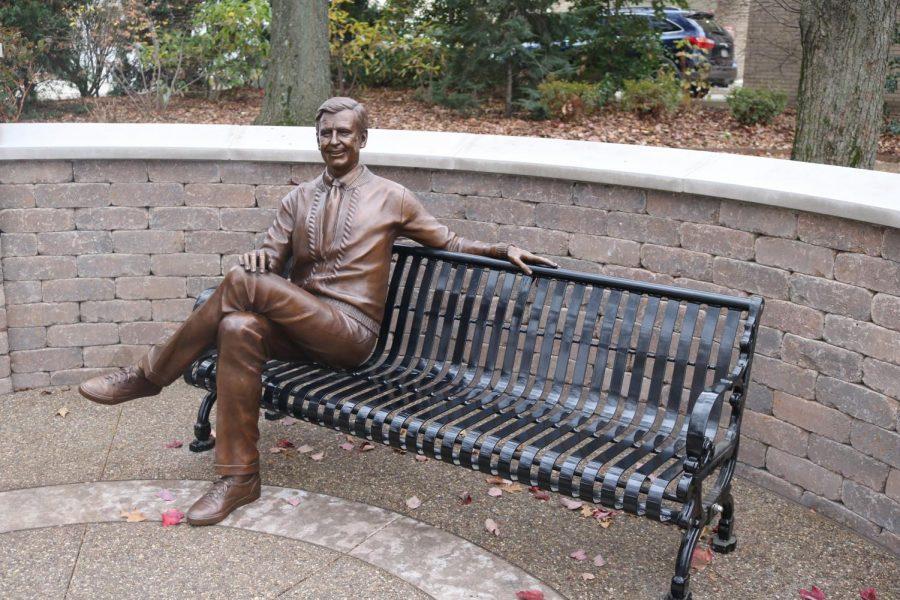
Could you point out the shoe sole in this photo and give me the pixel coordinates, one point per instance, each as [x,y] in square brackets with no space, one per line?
[110,401]
[251,497]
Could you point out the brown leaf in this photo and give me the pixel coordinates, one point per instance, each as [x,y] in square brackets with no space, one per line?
[133,516]
[495,492]
[512,488]
[367,447]
[304,449]
[491,526]
[347,446]
[587,576]
[578,555]
[599,561]
[701,558]
[62,412]
[421,458]
[317,456]
[413,502]
[571,504]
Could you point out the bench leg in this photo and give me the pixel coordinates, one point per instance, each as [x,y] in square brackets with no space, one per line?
[681,582]
[725,541]
[202,431]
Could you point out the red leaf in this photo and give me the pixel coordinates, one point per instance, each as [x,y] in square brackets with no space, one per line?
[174,444]
[284,444]
[578,555]
[165,496]
[465,498]
[813,594]
[366,447]
[701,557]
[541,495]
[171,517]
[293,500]
[529,595]
[868,594]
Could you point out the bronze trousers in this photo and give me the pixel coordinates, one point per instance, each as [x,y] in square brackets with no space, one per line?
[252,318]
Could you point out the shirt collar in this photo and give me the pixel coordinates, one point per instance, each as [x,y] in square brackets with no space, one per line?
[346,180]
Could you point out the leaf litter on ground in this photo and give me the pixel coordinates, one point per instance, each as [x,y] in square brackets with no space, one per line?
[171,517]
[133,516]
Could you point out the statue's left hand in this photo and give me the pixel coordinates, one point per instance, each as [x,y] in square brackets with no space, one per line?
[519,257]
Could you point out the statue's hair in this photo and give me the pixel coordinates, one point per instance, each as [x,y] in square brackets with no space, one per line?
[339,103]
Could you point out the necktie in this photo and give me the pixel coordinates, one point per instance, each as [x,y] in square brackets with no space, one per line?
[330,220]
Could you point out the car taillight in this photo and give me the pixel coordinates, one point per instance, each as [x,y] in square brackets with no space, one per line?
[704,43]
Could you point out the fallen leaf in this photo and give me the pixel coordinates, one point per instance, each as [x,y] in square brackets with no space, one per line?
[541,495]
[587,511]
[413,502]
[347,446]
[276,450]
[578,555]
[813,594]
[46,392]
[304,449]
[701,558]
[290,420]
[399,451]
[367,447]
[465,498]
[497,480]
[868,594]
[512,488]
[587,576]
[599,561]
[421,458]
[284,444]
[173,516]
[174,444]
[293,500]
[165,496]
[491,526]
[133,516]
[495,492]
[317,456]
[529,595]
[571,504]
[62,412]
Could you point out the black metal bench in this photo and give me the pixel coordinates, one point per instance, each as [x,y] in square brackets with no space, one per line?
[617,392]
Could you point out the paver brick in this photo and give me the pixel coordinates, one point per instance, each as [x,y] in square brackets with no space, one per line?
[270,196]
[75,376]
[677,262]
[858,401]
[110,218]
[415,180]
[466,183]
[775,432]
[610,197]
[232,195]
[115,311]
[707,286]
[795,256]
[184,218]
[30,381]
[876,442]
[473,230]
[16,196]
[868,338]
[892,487]
[869,272]
[500,210]
[840,513]
[804,473]
[113,265]
[35,171]
[637,274]
[195,285]
[28,268]
[301,172]
[27,338]
[536,189]
[684,207]
[148,240]
[759,398]
[217,242]
[144,195]
[891,247]
[110,171]
[246,219]
[150,288]
[22,292]
[173,310]
[831,296]
[149,332]
[45,359]
[605,249]
[768,481]
[839,233]
[79,289]
[721,241]
[642,228]
[768,342]
[234,171]
[71,195]
[793,318]
[886,311]
[185,264]
[118,355]
[752,453]
[751,277]
[758,218]
[18,244]
[825,358]
[871,505]
[812,416]
[451,206]
[785,377]
[82,334]
[183,171]
[881,376]
[36,220]
[74,242]
[850,463]
[535,239]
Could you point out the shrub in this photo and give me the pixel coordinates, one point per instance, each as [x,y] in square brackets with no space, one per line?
[653,97]
[751,106]
[569,100]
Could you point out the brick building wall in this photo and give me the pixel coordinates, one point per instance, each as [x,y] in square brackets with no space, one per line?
[101,259]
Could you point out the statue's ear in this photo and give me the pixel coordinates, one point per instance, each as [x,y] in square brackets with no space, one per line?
[364,138]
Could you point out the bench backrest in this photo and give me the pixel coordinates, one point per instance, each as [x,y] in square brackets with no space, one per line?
[560,340]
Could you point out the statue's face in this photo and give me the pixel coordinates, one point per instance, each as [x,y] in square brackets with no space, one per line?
[340,141]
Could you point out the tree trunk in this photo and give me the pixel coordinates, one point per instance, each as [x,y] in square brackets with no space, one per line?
[298,76]
[841,97]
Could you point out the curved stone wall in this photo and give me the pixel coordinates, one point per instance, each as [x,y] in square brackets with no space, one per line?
[102,258]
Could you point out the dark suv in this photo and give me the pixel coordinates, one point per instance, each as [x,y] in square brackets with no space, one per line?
[704,42]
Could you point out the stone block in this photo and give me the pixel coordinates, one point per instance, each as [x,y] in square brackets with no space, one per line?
[5,372]
[110,218]
[184,218]
[840,513]
[871,505]
[183,171]
[793,318]
[751,277]
[22,292]
[570,218]
[115,311]
[636,274]
[145,195]
[119,355]
[82,334]
[231,195]
[891,541]
[839,233]
[804,473]
[890,249]
[868,338]
[824,358]
[6,386]
[758,218]
[831,296]
[677,262]
[812,416]
[270,196]
[465,183]
[881,376]
[150,288]
[683,207]
[16,196]
[35,171]
[45,359]
[71,195]
[605,249]
[886,311]
[151,332]
[784,377]
[185,264]
[536,189]
[75,376]
[850,463]
[29,381]
[795,256]
[74,242]
[18,244]
[642,228]
[36,220]
[770,482]
[857,401]
[239,171]
[759,399]
[610,197]
[892,487]
[775,432]
[218,242]
[415,180]
[148,240]
[706,286]
[195,285]
[79,289]
[27,338]
[751,452]
[29,268]
[768,342]
[876,442]
[721,241]
[473,230]
[301,172]
[246,219]
[110,171]
[535,239]
[113,265]
[173,310]
[869,272]
[452,206]
[499,210]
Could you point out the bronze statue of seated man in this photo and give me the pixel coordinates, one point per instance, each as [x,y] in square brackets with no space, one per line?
[339,227]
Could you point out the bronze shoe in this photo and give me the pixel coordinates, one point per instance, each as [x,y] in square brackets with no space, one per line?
[225,495]
[125,384]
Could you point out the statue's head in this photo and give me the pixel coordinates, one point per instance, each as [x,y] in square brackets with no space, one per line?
[342,128]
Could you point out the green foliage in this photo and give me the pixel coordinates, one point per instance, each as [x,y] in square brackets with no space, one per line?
[568,100]
[653,97]
[230,41]
[751,106]
[18,71]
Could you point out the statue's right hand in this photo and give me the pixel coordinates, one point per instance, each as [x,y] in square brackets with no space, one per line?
[255,261]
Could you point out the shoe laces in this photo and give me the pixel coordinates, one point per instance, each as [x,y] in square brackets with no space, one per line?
[122,375]
[219,488]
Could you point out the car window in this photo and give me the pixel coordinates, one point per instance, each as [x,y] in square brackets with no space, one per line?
[709,25]
[663,25]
